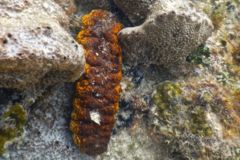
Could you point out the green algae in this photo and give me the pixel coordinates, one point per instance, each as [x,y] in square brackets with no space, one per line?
[166,93]
[166,98]
[236,56]
[231,117]
[199,56]
[11,125]
[216,14]
[198,124]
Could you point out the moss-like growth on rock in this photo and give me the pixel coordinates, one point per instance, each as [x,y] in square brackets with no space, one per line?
[199,117]
[166,98]
[11,124]
[217,15]
[198,125]
[236,56]
[200,55]
[231,117]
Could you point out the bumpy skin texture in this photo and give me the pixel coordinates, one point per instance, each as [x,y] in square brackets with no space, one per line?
[97,91]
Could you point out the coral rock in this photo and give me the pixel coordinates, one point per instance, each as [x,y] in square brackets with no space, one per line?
[167,36]
[34,47]
[200,113]
[136,10]
[68,6]
[88,5]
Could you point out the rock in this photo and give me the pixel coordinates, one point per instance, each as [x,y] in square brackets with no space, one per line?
[132,144]
[25,8]
[169,34]
[88,5]
[191,119]
[46,133]
[34,47]
[68,6]
[136,10]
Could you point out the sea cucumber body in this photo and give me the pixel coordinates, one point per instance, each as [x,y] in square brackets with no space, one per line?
[97,91]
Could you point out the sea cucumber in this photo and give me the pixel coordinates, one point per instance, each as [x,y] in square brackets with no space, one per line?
[98,89]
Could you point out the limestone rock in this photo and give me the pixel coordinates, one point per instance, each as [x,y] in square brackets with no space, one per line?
[169,34]
[136,10]
[34,47]
[46,133]
[135,144]
[24,8]
[88,5]
[68,6]
[196,117]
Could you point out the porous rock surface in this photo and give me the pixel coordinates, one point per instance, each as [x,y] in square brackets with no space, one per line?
[46,135]
[69,6]
[136,10]
[35,46]
[88,5]
[172,30]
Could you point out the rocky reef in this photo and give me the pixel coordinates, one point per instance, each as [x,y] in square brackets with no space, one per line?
[198,114]
[35,46]
[180,94]
[171,31]
[137,11]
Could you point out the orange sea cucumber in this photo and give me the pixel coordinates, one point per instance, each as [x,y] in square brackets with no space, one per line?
[98,90]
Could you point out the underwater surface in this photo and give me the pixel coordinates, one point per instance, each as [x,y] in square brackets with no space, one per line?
[120,79]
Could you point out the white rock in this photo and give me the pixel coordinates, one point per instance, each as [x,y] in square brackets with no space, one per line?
[34,47]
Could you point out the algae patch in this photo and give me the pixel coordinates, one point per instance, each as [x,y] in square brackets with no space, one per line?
[199,125]
[166,98]
[200,56]
[12,122]
[175,115]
